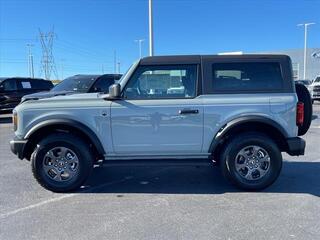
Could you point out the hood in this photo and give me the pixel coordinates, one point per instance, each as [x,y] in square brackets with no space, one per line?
[40,95]
[72,96]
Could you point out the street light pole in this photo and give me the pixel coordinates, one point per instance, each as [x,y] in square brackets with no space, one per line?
[305,46]
[30,61]
[150,29]
[139,41]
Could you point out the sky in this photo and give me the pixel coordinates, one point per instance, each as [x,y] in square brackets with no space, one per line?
[88,33]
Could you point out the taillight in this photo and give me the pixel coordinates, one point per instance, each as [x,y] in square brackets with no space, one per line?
[15,120]
[300,113]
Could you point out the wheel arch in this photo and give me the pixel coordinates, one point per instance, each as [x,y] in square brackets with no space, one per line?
[248,124]
[44,128]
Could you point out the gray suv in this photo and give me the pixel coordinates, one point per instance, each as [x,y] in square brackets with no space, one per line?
[239,111]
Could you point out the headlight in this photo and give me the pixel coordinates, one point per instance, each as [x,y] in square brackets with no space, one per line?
[15,120]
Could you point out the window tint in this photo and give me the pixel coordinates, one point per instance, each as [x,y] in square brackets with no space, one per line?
[246,76]
[153,82]
[78,83]
[102,84]
[10,85]
[41,84]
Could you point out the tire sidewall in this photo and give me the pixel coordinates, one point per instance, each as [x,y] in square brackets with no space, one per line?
[275,162]
[78,147]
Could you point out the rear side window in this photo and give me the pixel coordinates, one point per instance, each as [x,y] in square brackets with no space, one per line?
[41,84]
[246,77]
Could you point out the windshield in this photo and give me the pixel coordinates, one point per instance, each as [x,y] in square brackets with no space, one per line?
[2,79]
[80,84]
[317,79]
[124,77]
[304,82]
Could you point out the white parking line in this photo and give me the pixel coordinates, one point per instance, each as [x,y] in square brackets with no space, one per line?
[4,215]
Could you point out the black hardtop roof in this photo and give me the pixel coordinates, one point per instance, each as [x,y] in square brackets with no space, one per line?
[96,75]
[28,78]
[193,59]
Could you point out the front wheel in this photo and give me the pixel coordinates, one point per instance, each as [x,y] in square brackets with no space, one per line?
[251,161]
[61,162]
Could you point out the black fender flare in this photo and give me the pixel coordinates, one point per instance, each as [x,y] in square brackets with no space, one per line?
[243,120]
[71,123]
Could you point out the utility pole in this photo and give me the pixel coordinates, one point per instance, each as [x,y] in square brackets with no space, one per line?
[151,51]
[118,67]
[62,67]
[30,61]
[114,61]
[139,41]
[305,46]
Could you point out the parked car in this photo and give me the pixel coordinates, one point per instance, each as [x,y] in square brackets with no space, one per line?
[79,84]
[241,111]
[13,89]
[315,89]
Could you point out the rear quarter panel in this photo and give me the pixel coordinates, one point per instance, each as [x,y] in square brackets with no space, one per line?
[219,109]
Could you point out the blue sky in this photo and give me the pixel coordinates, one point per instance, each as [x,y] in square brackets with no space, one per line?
[89,31]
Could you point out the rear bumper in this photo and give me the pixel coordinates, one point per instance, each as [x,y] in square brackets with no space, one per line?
[296,146]
[17,147]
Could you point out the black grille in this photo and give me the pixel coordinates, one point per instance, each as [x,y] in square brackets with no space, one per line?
[316,88]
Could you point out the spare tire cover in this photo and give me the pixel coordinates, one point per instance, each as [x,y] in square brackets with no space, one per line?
[305,97]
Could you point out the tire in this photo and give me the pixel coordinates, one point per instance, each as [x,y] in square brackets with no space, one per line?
[61,162]
[233,155]
[305,97]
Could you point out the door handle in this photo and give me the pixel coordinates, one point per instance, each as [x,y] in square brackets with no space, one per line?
[189,111]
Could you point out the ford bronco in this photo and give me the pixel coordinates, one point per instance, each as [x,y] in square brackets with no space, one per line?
[240,111]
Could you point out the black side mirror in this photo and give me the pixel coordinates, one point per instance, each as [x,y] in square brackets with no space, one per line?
[115,91]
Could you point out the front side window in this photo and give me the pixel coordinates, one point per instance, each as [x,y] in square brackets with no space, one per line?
[156,82]
[102,84]
[246,76]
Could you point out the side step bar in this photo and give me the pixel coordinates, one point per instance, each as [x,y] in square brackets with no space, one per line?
[164,162]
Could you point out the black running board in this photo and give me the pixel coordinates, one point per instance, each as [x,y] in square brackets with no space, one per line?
[154,162]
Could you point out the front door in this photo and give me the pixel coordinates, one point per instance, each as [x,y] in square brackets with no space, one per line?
[160,112]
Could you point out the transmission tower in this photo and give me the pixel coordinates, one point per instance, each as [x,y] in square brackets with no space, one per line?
[48,66]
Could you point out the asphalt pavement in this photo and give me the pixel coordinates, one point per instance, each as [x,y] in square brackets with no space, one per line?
[162,202]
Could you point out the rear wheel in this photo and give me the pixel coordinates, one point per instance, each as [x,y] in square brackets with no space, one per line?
[251,161]
[61,162]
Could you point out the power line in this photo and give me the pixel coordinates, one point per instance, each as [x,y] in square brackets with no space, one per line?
[47,62]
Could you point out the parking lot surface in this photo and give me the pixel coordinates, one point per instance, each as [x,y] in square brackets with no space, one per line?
[162,202]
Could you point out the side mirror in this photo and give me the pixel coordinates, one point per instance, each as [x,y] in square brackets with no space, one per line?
[115,91]
[1,88]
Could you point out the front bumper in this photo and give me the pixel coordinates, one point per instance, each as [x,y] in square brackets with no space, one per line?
[17,147]
[296,146]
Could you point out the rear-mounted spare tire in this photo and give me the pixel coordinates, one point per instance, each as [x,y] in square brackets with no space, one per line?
[304,97]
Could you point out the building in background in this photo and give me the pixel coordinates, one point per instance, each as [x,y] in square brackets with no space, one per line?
[313,62]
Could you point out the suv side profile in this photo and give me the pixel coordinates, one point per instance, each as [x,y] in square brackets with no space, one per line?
[241,111]
[81,83]
[13,89]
